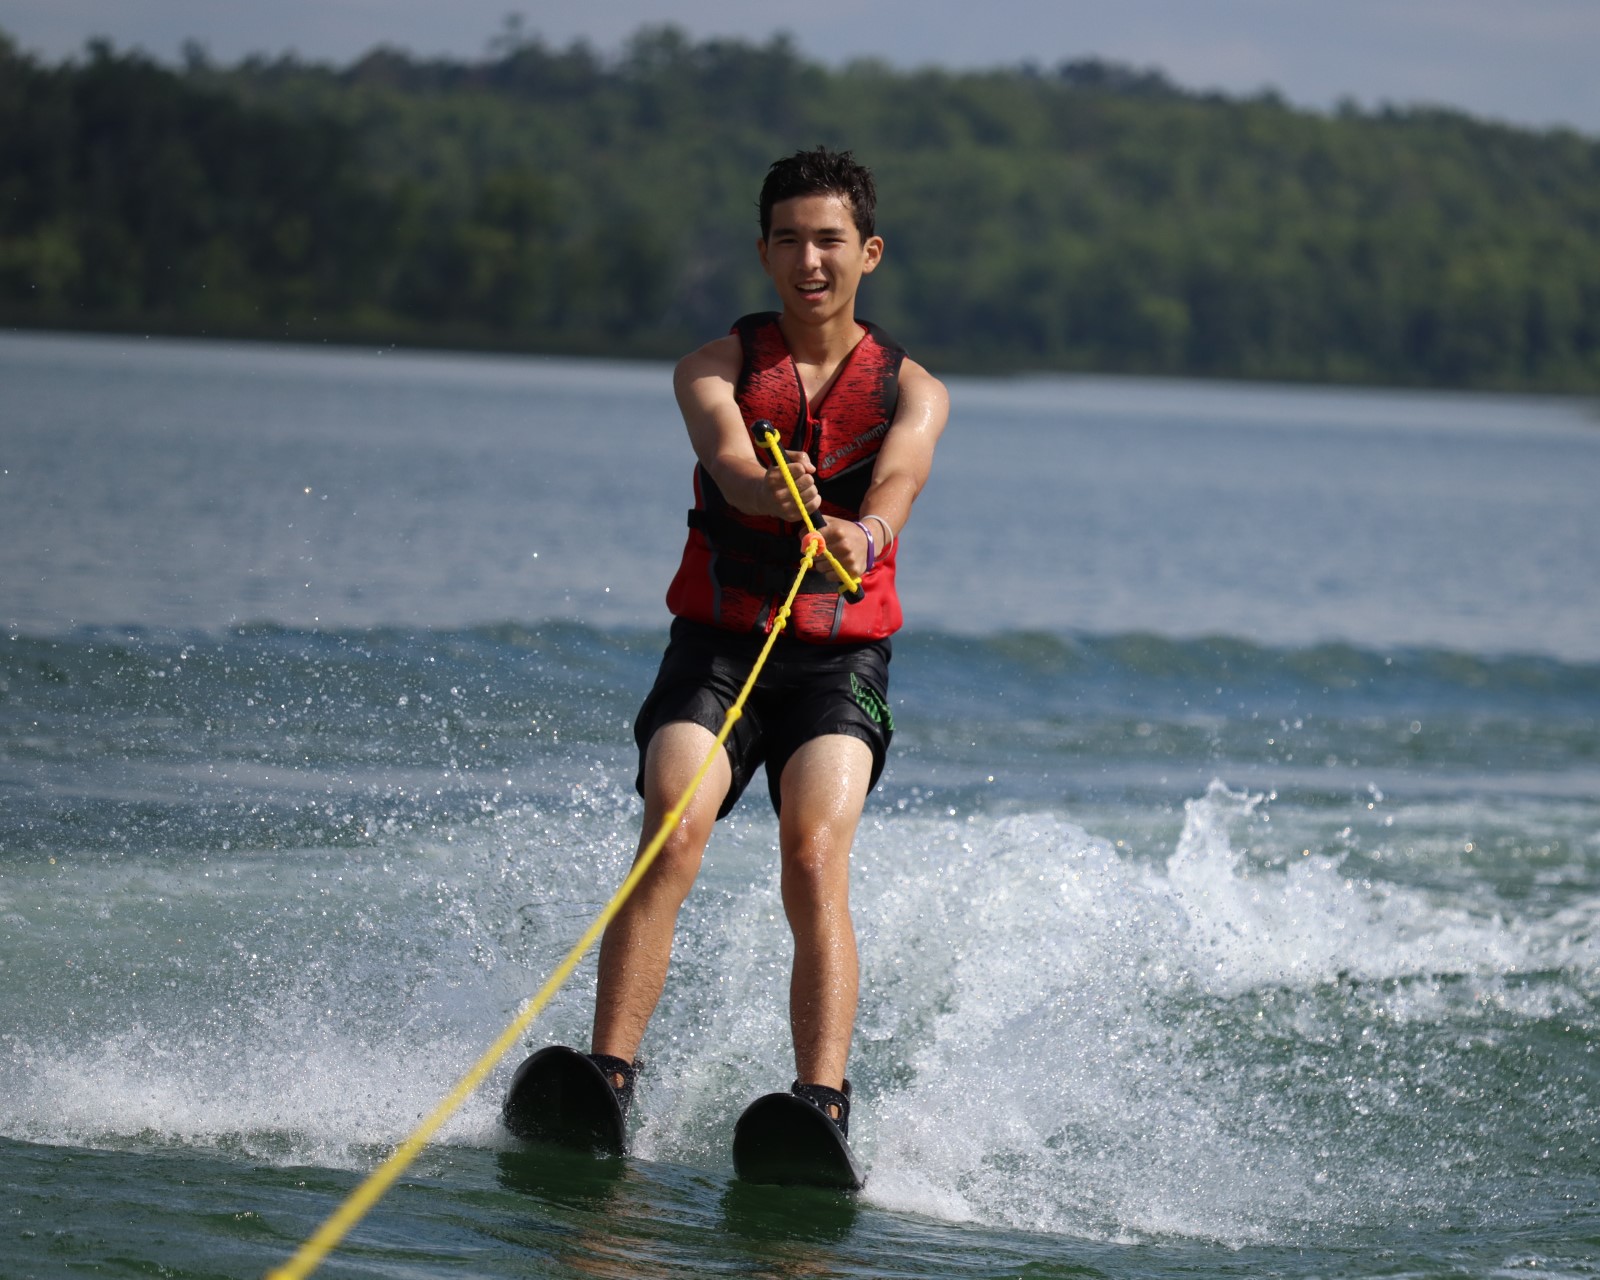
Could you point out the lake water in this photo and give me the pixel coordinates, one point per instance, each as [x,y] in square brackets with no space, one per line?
[1230,905]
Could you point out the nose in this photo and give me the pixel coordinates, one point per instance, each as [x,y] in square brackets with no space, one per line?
[810,253]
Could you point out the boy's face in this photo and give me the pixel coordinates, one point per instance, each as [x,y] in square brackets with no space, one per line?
[816,257]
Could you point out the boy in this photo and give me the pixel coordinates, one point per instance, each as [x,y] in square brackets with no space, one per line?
[859,421]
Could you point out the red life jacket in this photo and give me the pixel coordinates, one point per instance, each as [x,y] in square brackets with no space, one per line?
[737,568]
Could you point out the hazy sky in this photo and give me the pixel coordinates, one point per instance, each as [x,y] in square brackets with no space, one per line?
[1534,62]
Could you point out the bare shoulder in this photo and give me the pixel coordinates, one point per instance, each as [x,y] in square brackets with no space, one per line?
[917,380]
[924,400]
[719,359]
[705,383]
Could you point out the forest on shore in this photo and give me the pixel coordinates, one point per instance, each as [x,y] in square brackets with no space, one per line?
[1083,217]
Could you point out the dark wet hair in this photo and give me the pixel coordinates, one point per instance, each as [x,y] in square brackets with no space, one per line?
[821,172]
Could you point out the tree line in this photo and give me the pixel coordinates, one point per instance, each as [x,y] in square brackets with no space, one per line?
[1083,217]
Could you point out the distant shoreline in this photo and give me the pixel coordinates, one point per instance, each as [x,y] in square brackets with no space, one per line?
[1589,402]
[1085,218]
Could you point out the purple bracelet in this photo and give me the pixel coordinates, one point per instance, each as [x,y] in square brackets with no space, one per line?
[872,554]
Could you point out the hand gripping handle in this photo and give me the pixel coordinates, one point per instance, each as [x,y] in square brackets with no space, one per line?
[767,438]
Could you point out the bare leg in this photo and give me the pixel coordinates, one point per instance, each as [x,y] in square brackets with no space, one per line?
[824,787]
[637,946]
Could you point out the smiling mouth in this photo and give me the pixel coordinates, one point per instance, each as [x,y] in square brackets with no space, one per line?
[813,288]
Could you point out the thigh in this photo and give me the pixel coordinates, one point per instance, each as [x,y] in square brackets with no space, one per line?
[695,687]
[677,753]
[841,695]
[824,786]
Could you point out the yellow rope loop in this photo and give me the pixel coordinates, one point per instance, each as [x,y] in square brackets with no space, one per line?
[847,584]
[356,1206]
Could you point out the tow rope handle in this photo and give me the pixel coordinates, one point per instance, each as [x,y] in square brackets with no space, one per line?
[850,588]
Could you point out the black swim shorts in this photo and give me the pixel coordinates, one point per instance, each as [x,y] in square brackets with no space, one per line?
[805,691]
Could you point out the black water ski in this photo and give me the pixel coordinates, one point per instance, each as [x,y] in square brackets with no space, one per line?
[784,1139]
[561,1098]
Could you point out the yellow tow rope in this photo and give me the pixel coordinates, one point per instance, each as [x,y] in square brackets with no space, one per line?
[356,1206]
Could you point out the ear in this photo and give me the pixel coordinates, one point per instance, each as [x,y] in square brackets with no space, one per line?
[872,254]
[761,252]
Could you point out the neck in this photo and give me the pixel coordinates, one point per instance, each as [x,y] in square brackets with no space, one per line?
[823,344]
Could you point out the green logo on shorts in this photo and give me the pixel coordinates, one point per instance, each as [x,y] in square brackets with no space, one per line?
[872,702]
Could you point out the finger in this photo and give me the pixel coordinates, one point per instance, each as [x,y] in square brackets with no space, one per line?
[784,496]
[806,487]
[783,502]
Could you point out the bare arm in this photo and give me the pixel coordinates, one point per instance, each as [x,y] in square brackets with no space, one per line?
[704,382]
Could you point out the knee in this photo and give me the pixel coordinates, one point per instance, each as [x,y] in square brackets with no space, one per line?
[677,865]
[815,872]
